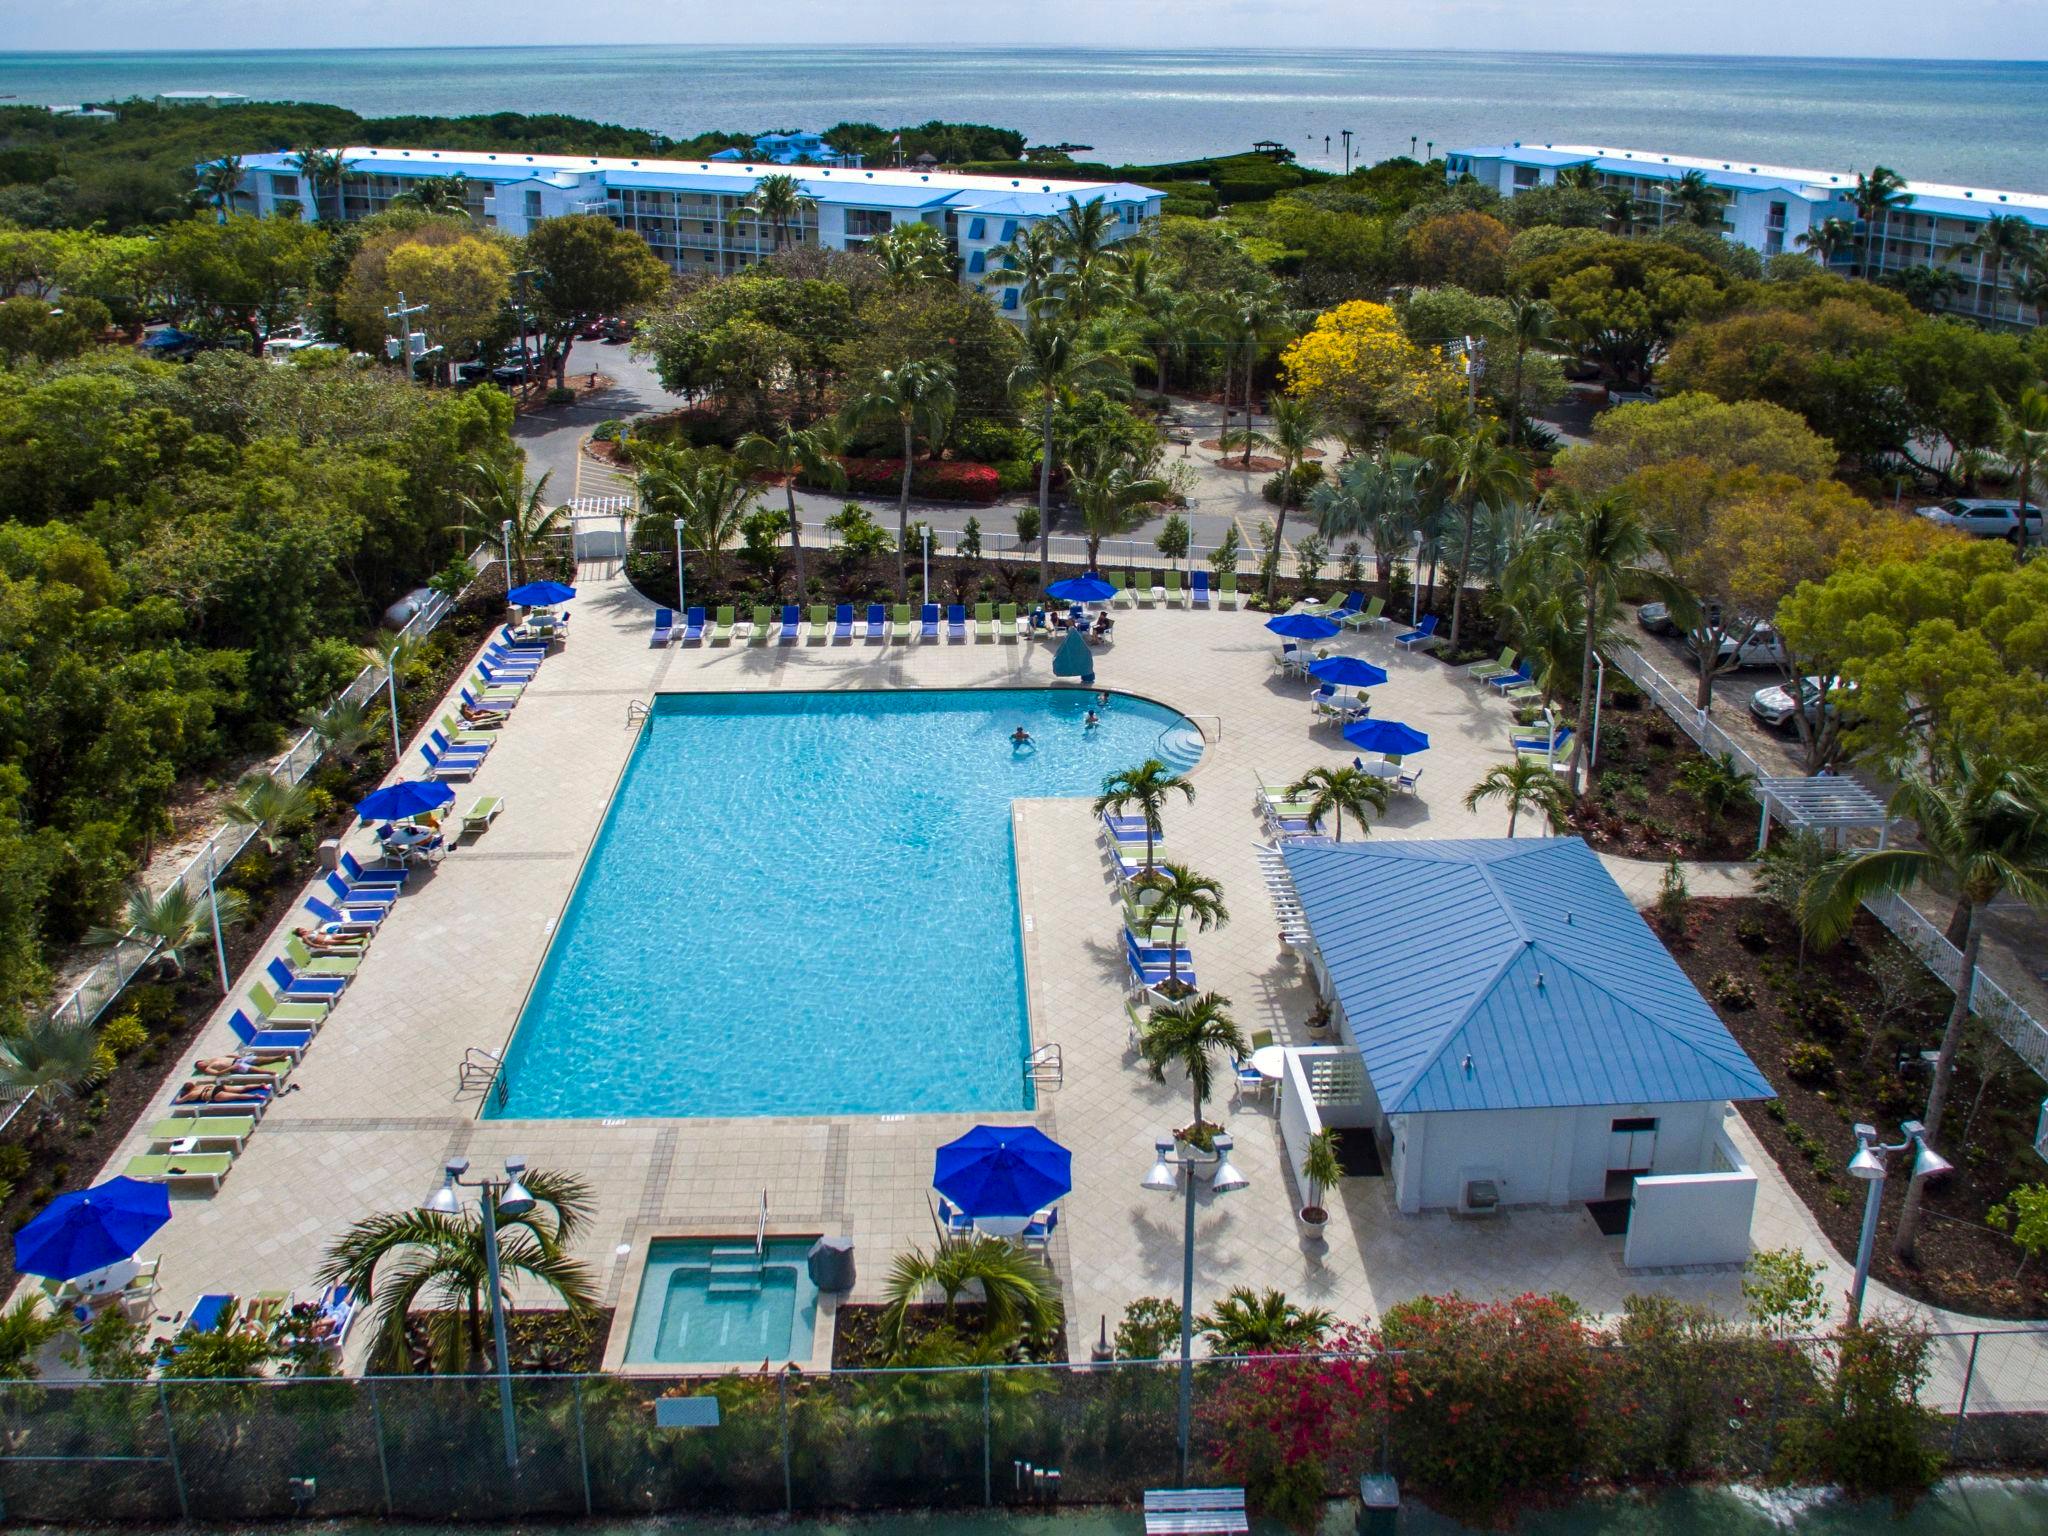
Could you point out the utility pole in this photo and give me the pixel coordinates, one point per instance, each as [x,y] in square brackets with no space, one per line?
[408,346]
[1346,135]
[1411,145]
[522,277]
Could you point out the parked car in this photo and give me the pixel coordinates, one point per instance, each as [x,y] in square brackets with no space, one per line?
[1775,706]
[1761,648]
[593,328]
[508,374]
[616,329]
[1656,619]
[1985,517]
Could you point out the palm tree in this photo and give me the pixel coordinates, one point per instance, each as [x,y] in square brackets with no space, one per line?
[1379,499]
[445,197]
[268,803]
[2003,241]
[1020,1296]
[1333,791]
[1029,263]
[25,1328]
[401,1258]
[1083,233]
[47,1061]
[912,255]
[1113,494]
[1622,210]
[1585,176]
[1057,363]
[916,398]
[501,496]
[2030,286]
[1984,834]
[705,488]
[346,726]
[1476,466]
[1266,1323]
[1531,322]
[1295,427]
[1189,1032]
[778,200]
[173,924]
[1246,321]
[324,170]
[1602,545]
[1875,198]
[2023,439]
[1189,897]
[1148,787]
[791,453]
[1829,240]
[1700,201]
[1526,783]
[218,183]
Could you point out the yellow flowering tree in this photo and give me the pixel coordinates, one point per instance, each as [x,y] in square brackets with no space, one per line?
[1356,363]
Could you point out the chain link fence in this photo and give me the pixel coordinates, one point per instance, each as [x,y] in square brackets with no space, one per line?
[433,1448]
[105,981]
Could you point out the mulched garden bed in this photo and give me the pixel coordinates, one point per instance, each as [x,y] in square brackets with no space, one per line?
[1829,1037]
[1636,804]
[68,1155]
[857,1332]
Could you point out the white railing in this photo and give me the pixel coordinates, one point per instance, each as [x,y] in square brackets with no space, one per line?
[2008,1018]
[103,983]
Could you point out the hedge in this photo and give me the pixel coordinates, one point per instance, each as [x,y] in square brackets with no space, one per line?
[931,480]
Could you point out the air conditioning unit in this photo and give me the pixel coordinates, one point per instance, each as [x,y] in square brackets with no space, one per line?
[1479,1197]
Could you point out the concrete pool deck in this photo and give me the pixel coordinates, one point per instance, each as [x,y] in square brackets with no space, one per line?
[377,1109]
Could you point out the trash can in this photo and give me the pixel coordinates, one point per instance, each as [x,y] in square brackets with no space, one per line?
[831,1264]
[330,855]
[1379,1506]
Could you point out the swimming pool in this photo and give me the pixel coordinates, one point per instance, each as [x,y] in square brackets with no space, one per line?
[806,904]
[710,1301]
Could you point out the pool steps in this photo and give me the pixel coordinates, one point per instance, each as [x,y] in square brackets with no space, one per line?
[735,1270]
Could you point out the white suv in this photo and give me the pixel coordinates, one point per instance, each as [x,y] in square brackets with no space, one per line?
[1987,519]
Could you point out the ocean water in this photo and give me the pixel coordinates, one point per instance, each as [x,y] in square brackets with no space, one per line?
[1978,123]
[806,904]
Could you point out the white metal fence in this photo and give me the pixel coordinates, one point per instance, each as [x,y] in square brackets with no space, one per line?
[103,983]
[2008,1018]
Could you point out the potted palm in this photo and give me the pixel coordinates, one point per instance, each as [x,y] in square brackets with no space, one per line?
[1320,1170]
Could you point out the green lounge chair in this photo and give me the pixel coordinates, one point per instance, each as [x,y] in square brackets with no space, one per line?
[821,625]
[1174,596]
[984,621]
[1487,671]
[1226,590]
[481,813]
[722,627]
[494,693]
[307,963]
[1006,621]
[1373,613]
[232,1129]
[1146,591]
[900,622]
[1261,1038]
[466,735]
[207,1168]
[764,621]
[270,1011]
[1124,598]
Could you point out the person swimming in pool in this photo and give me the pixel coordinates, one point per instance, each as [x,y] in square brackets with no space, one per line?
[1091,721]
[1020,739]
[1102,698]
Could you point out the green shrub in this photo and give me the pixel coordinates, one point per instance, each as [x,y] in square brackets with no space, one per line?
[1869,1434]
[14,1161]
[155,1005]
[1811,1064]
[1150,1329]
[123,1034]
[1751,934]
[1027,524]
[1823,1014]
[1736,993]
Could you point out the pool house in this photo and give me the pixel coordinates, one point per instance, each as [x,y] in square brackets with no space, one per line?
[1525,1040]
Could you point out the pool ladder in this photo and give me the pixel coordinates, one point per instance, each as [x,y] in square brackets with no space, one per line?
[638,710]
[737,1270]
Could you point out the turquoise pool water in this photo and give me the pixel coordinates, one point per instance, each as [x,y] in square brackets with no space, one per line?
[806,904]
[704,1301]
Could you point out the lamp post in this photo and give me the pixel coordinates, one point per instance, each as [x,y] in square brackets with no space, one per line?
[927,564]
[1415,582]
[220,949]
[496,1197]
[1599,693]
[1177,1159]
[505,534]
[679,565]
[391,693]
[1871,1164]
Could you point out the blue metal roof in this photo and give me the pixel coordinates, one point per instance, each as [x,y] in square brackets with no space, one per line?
[1505,974]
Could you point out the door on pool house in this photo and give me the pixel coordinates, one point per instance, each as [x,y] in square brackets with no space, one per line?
[1632,1145]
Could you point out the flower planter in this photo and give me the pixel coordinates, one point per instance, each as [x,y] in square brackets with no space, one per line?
[1312,1221]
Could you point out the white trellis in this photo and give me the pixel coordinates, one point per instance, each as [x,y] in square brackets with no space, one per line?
[601,526]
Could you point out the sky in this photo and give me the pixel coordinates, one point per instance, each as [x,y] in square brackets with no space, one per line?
[1973,29]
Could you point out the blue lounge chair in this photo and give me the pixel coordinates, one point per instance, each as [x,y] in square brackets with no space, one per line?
[842,622]
[472,751]
[500,707]
[664,626]
[792,621]
[496,677]
[345,919]
[1422,637]
[211,1313]
[511,660]
[877,626]
[928,623]
[1508,682]
[1157,954]
[1124,829]
[512,647]
[353,871]
[360,896]
[956,621]
[1536,746]
[440,766]
[294,988]
[1199,594]
[290,1041]
[693,627]
[1146,973]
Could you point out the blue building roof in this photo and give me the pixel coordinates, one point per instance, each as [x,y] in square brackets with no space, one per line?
[1508,975]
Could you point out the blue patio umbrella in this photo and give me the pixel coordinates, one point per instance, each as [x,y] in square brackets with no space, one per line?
[1074,659]
[89,1229]
[1385,736]
[1003,1170]
[1302,626]
[1082,589]
[408,797]
[540,594]
[1347,672]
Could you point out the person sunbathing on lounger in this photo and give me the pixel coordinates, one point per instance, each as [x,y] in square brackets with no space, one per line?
[221,1093]
[477,716]
[317,941]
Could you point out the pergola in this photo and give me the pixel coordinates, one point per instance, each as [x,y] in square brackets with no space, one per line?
[1824,803]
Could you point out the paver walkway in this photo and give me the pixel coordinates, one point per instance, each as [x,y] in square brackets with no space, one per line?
[377,1110]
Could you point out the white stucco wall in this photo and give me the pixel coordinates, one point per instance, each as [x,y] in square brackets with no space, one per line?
[1693,1218]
